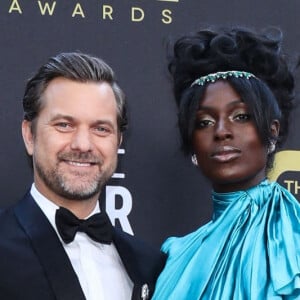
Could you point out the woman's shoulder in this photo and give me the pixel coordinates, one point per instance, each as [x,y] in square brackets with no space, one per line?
[174,244]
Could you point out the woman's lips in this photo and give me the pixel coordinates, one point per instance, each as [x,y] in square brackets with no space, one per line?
[226,154]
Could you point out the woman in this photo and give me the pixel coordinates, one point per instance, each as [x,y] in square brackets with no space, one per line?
[234,92]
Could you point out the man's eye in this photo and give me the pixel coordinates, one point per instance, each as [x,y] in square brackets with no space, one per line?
[102,130]
[63,126]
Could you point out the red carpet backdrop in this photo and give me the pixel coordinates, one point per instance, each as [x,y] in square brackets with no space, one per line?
[156,191]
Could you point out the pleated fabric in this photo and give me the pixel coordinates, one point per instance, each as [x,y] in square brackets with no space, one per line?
[250,250]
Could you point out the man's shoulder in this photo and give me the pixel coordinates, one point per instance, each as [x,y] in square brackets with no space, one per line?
[142,260]
[10,217]
[6,216]
[135,244]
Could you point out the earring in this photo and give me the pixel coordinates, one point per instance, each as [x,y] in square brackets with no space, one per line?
[271,147]
[194,160]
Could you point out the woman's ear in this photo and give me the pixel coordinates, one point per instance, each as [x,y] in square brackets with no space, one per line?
[275,126]
[28,136]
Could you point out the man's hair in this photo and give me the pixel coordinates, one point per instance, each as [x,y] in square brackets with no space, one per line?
[75,66]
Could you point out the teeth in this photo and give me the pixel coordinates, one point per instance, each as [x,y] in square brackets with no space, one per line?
[78,164]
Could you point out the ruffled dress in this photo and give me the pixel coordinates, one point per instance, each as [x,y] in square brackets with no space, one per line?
[250,250]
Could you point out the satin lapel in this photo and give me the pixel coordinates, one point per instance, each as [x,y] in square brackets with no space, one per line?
[142,262]
[48,248]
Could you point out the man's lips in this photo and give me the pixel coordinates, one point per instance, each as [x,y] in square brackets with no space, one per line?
[80,160]
[80,164]
[225,154]
[83,163]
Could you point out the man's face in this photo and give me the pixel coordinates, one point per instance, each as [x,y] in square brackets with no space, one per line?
[75,141]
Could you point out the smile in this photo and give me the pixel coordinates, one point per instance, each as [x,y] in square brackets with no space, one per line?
[80,164]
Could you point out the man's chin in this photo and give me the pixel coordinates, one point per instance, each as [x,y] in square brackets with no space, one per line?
[79,188]
[79,194]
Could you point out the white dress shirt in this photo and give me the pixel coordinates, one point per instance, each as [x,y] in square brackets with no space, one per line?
[99,268]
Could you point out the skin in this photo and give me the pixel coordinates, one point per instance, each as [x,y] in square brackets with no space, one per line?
[75,142]
[226,142]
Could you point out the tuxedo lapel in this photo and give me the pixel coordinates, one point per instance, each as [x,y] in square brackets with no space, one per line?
[49,250]
[142,263]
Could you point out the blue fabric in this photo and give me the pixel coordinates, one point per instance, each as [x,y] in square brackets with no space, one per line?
[250,250]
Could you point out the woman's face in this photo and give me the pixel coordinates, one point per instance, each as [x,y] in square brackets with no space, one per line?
[225,140]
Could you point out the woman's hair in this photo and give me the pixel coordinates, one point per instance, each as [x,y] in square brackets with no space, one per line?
[269,95]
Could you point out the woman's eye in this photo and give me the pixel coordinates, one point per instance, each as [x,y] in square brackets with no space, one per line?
[242,117]
[203,123]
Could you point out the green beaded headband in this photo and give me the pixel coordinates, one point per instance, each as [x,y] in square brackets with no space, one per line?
[221,75]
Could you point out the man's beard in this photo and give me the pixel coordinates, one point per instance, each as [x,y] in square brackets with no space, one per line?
[58,182]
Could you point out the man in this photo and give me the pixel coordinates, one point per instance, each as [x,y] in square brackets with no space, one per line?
[74,116]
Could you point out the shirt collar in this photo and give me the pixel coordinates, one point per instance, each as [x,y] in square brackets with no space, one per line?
[48,207]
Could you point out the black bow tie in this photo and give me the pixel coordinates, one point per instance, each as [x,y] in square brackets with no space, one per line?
[98,227]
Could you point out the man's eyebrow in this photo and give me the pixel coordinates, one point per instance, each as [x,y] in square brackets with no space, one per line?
[72,119]
[61,116]
[103,122]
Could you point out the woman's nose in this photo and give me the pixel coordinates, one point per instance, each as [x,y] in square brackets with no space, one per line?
[223,130]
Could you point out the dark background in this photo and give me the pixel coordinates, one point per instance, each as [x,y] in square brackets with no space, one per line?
[169,196]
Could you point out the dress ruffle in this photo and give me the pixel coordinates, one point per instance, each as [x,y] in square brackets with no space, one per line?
[250,250]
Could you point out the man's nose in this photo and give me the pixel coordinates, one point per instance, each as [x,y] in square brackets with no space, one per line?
[82,140]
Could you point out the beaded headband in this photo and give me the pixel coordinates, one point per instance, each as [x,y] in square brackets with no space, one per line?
[221,75]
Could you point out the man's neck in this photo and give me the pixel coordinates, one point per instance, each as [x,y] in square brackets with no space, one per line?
[80,208]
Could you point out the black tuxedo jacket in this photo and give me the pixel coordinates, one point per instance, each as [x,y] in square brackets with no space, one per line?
[35,266]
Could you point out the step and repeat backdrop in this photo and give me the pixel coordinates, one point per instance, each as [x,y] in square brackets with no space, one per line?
[156,191]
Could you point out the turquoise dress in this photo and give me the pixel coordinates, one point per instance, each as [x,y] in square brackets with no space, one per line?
[249,250]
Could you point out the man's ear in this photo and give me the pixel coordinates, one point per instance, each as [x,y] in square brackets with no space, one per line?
[120,139]
[28,136]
